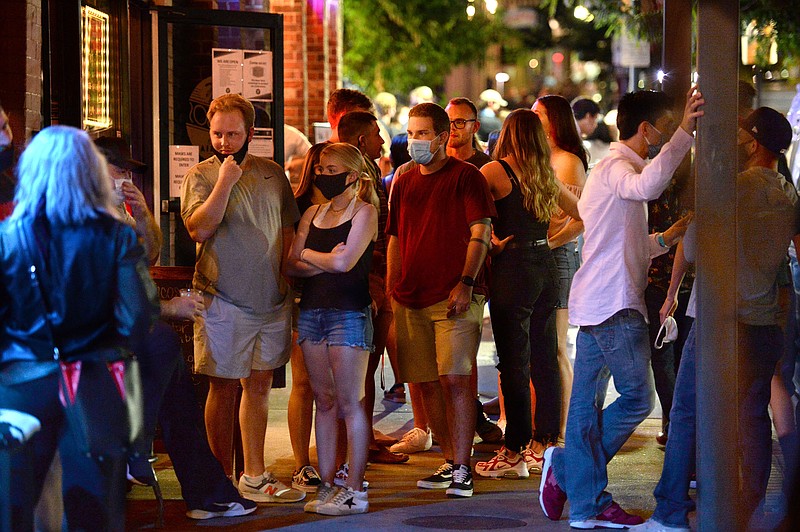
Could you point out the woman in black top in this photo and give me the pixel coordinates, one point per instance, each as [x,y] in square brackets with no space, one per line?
[524,291]
[332,251]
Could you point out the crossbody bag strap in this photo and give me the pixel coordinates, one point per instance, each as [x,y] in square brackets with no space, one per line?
[34,257]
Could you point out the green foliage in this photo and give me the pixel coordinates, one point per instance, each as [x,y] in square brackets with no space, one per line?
[644,18]
[396,46]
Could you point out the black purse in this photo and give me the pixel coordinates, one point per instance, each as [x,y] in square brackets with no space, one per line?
[101,393]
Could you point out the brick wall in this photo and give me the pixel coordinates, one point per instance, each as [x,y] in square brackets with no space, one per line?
[20,68]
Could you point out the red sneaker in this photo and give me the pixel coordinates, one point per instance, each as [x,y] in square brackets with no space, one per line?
[551,497]
[612,517]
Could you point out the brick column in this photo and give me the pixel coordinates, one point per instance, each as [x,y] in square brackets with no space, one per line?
[21,68]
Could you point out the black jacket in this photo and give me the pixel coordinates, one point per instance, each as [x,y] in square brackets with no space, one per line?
[96,284]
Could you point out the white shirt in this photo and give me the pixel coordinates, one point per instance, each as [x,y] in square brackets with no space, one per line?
[617,248]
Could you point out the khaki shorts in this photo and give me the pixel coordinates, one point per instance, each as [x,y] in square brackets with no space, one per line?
[230,342]
[430,344]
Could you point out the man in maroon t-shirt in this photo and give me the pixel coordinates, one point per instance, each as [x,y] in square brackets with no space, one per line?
[439,230]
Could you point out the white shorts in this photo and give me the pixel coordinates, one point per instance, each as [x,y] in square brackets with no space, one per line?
[230,342]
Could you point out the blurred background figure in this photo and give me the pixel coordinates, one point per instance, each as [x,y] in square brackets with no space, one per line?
[7,181]
[295,147]
[489,114]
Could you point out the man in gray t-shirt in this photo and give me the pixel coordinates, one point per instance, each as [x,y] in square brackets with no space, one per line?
[241,212]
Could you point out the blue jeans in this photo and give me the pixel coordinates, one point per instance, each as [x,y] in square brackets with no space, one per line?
[760,348]
[618,347]
[672,492]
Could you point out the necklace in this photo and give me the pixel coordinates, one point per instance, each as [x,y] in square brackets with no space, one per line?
[337,210]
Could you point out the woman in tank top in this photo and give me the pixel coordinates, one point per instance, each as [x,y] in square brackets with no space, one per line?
[332,251]
[570,162]
[524,292]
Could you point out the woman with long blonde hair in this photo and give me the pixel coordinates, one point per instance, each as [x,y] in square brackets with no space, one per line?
[524,290]
[332,252]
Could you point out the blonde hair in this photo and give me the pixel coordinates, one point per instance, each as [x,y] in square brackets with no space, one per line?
[62,173]
[351,159]
[228,103]
[523,138]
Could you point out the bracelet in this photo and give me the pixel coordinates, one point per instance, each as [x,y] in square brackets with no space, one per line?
[301,255]
[660,240]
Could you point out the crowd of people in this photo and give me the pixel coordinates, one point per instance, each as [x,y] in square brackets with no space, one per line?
[358,254]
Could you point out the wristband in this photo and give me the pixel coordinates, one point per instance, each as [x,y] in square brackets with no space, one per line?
[482,241]
[660,240]
[301,256]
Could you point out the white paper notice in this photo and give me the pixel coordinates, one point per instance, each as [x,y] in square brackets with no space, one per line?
[181,158]
[263,144]
[257,75]
[226,71]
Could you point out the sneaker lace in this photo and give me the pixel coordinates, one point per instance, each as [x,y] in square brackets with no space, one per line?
[342,496]
[323,492]
[444,468]
[460,475]
[408,436]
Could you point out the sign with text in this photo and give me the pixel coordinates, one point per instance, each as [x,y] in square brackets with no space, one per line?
[181,159]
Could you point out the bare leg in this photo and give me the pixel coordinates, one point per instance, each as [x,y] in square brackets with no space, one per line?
[253,414]
[564,364]
[432,397]
[300,408]
[782,408]
[349,368]
[325,420]
[391,349]
[415,393]
[460,405]
[219,412]
[501,421]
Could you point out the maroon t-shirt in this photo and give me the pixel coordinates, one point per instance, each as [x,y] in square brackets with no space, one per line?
[431,215]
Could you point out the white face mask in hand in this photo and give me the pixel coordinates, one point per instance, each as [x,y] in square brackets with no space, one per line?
[667,333]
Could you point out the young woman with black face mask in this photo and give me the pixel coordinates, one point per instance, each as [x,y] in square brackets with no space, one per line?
[332,251]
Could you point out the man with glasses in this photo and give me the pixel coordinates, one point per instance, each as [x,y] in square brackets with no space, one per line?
[464,124]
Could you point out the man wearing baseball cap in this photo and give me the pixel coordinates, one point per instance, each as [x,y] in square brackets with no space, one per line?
[767,221]
[120,168]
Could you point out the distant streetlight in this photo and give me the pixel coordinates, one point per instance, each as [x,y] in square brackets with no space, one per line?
[491,6]
[470,9]
[501,78]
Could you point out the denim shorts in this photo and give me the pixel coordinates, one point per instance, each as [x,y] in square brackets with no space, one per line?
[335,327]
[568,261]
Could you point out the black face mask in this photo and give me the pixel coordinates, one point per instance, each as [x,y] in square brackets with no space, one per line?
[238,156]
[6,157]
[331,185]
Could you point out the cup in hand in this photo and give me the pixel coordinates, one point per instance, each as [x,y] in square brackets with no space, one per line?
[191,292]
[118,188]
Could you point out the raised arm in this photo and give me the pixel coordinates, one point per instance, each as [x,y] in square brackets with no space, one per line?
[203,222]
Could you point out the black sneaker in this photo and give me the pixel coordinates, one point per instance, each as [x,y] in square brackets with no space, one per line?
[440,480]
[462,482]
[235,508]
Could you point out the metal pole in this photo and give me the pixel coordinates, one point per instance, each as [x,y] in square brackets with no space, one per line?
[717,420]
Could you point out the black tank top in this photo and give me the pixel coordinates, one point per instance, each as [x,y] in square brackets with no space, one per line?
[344,291]
[513,218]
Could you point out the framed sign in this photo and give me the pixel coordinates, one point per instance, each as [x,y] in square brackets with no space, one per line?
[95,69]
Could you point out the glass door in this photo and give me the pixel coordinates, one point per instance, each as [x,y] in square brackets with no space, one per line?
[201,54]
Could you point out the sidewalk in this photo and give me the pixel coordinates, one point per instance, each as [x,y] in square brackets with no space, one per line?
[395,501]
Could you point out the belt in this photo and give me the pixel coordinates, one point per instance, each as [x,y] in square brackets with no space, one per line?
[533,244]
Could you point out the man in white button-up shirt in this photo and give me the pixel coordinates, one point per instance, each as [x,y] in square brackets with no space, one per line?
[607,301]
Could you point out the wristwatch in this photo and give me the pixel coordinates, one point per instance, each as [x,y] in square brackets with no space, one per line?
[467,280]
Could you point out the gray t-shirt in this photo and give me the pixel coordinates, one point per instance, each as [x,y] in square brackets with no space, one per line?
[766,223]
[241,262]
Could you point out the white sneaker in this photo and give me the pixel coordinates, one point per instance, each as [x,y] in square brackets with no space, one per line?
[533,460]
[654,526]
[503,465]
[345,502]
[325,493]
[266,488]
[415,440]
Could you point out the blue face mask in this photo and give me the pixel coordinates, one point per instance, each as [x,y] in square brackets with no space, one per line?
[420,151]
[654,149]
